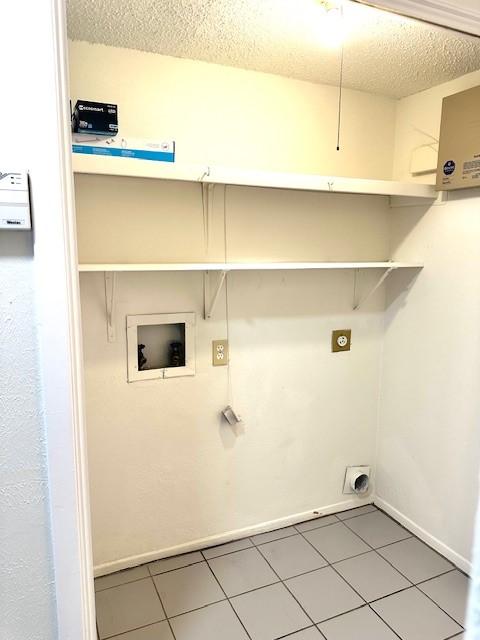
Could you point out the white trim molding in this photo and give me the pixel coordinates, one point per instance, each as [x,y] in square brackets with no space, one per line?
[444,13]
[230,536]
[59,332]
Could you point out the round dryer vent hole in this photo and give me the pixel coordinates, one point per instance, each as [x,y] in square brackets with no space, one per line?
[357,480]
[360,483]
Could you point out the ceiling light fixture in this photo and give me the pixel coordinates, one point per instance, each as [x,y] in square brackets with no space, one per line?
[331,25]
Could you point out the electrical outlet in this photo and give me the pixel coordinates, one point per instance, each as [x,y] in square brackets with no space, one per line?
[219,353]
[341,340]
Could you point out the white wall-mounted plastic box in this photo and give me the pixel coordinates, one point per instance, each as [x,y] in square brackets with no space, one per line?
[14,200]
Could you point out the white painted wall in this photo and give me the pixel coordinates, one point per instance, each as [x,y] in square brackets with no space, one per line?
[135,439]
[26,589]
[428,456]
[151,444]
[225,116]
[165,470]
[26,575]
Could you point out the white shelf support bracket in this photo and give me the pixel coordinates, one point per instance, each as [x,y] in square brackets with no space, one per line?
[207,202]
[380,281]
[110,287]
[211,302]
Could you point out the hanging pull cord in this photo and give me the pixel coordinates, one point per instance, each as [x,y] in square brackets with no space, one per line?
[340,86]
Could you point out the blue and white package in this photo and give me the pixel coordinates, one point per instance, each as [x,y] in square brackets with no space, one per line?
[124,148]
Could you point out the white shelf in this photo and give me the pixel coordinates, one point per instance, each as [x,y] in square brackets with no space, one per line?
[222,268]
[247,266]
[134,168]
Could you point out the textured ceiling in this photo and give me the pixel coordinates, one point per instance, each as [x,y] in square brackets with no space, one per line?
[384,53]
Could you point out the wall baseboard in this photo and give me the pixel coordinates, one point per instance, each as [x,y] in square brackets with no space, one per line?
[454,557]
[230,536]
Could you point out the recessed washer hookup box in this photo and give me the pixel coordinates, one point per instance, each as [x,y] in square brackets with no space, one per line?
[125,148]
[100,118]
[459,150]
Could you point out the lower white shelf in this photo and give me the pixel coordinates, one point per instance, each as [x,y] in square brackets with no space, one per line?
[222,268]
[247,266]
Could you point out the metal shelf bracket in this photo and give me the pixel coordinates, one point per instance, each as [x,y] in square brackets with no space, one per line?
[358,303]
[207,201]
[110,290]
[209,301]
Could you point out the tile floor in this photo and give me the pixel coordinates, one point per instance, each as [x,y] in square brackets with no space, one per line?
[357,575]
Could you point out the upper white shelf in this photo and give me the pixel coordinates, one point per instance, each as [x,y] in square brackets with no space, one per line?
[247,266]
[134,168]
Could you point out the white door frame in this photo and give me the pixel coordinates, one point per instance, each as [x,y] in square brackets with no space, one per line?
[60,342]
[61,347]
[446,13]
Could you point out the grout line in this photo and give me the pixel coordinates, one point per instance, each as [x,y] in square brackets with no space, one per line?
[445,612]
[384,621]
[410,535]
[425,543]
[420,591]
[203,606]
[143,626]
[444,573]
[395,521]
[394,593]
[303,573]
[114,586]
[261,544]
[227,553]
[163,607]
[323,526]
[340,575]
[330,564]
[414,586]
[378,554]
[292,633]
[441,609]
[357,515]
[228,600]
[151,575]
[286,587]
[160,573]
[339,615]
